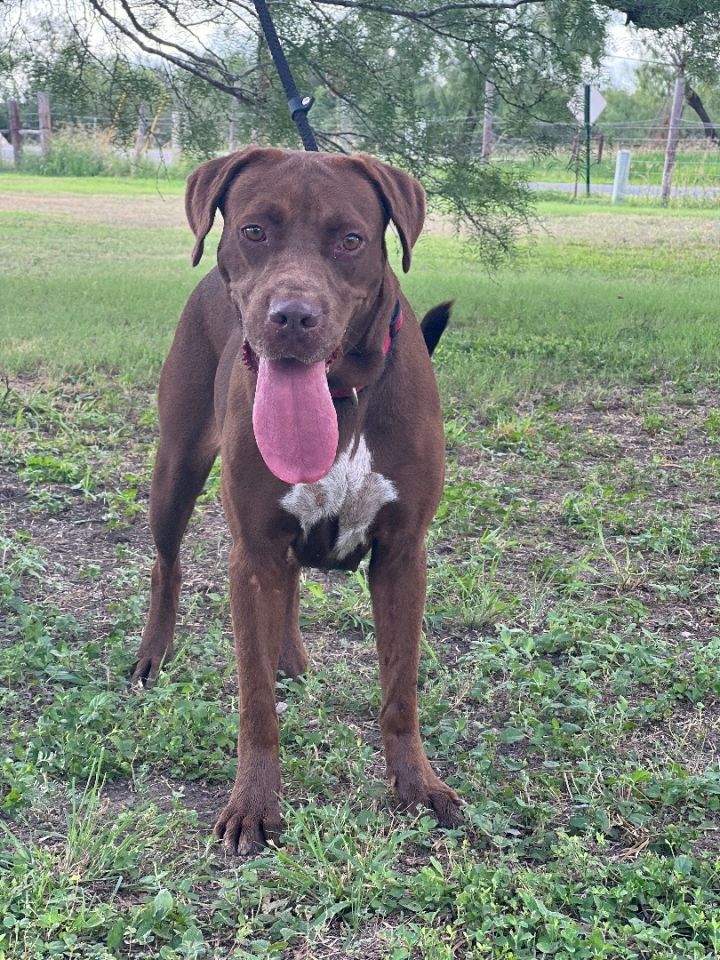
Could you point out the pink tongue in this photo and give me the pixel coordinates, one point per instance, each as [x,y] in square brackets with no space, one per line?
[294,420]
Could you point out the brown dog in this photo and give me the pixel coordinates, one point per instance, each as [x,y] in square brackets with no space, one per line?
[299,360]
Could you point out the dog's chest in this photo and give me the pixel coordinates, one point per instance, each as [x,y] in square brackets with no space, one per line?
[346,502]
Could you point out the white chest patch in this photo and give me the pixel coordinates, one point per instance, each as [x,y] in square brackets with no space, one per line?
[351,491]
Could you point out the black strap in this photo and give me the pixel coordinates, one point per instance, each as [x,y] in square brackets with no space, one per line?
[297,105]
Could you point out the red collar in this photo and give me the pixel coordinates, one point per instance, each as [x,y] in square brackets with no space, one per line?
[396,321]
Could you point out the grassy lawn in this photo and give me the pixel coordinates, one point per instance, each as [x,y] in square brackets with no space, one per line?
[570,680]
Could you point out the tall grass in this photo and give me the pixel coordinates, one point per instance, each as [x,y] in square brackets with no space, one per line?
[76,152]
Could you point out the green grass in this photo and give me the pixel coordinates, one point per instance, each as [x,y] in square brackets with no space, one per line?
[694,168]
[571,662]
[599,205]
[88,295]
[79,294]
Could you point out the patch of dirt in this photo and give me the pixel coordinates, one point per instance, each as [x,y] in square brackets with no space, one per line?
[693,732]
[83,563]
[156,210]
[206,799]
[635,231]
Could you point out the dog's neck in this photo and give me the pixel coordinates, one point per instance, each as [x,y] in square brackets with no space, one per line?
[396,321]
[369,341]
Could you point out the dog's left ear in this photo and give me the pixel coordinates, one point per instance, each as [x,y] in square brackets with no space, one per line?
[402,197]
[206,188]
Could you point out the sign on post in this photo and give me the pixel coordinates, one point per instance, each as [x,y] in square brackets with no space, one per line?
[586,106]
[576,105]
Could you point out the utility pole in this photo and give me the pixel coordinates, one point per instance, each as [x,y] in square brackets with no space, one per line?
[175,135]
[673,134]
[232,136]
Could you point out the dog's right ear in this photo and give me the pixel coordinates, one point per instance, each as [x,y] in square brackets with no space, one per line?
[206,187]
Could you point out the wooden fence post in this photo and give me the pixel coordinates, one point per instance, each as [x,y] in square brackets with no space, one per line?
[141,136]
[232,136]
[44,122]
[487,131]
[16,137]
[673,136]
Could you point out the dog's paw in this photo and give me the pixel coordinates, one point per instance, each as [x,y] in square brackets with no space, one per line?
[154,653]
[145,671]
[293,658]
[446,805]
[422,788]
[246,826]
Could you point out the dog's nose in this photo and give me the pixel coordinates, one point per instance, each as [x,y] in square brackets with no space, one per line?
[294,313]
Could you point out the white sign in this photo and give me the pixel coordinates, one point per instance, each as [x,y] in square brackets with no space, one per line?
[576,106]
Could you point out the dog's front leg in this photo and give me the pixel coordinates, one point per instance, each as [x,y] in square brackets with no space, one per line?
[261,593]
[397,584]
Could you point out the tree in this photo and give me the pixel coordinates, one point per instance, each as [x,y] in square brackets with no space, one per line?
[370,64]
[83,85]
[690,50]
[661,14]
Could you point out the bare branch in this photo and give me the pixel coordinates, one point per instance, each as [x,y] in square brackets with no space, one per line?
[189,65]
[367,6]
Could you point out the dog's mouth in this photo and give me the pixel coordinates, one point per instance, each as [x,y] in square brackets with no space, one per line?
[294,418]
[251,359]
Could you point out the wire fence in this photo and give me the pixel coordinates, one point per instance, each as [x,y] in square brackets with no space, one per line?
[545,154]
[550,153]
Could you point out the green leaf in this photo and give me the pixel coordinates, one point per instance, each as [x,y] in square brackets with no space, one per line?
[511,735]
[162,904]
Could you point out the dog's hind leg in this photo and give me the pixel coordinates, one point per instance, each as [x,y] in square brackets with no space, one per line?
[188,446]
[293,656]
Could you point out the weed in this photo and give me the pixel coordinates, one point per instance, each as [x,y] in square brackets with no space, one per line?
[569,668]
[712,423]
[655,423]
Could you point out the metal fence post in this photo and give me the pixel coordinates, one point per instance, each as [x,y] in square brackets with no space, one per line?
[622,175]
[588,133]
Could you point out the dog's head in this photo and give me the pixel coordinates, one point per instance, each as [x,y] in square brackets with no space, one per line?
[302,250]
[303,257]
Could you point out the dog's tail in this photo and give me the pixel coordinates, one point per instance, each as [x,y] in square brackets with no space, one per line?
[434,323]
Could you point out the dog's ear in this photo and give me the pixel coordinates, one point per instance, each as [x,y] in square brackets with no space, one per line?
[402,197]
[205,190]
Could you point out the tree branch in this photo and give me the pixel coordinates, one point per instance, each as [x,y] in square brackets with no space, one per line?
[367,6]
[694,101]
[188,65]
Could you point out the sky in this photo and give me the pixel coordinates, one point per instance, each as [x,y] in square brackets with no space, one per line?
[626,52]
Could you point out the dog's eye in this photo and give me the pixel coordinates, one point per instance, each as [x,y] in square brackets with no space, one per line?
[253,232]
[351,242]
